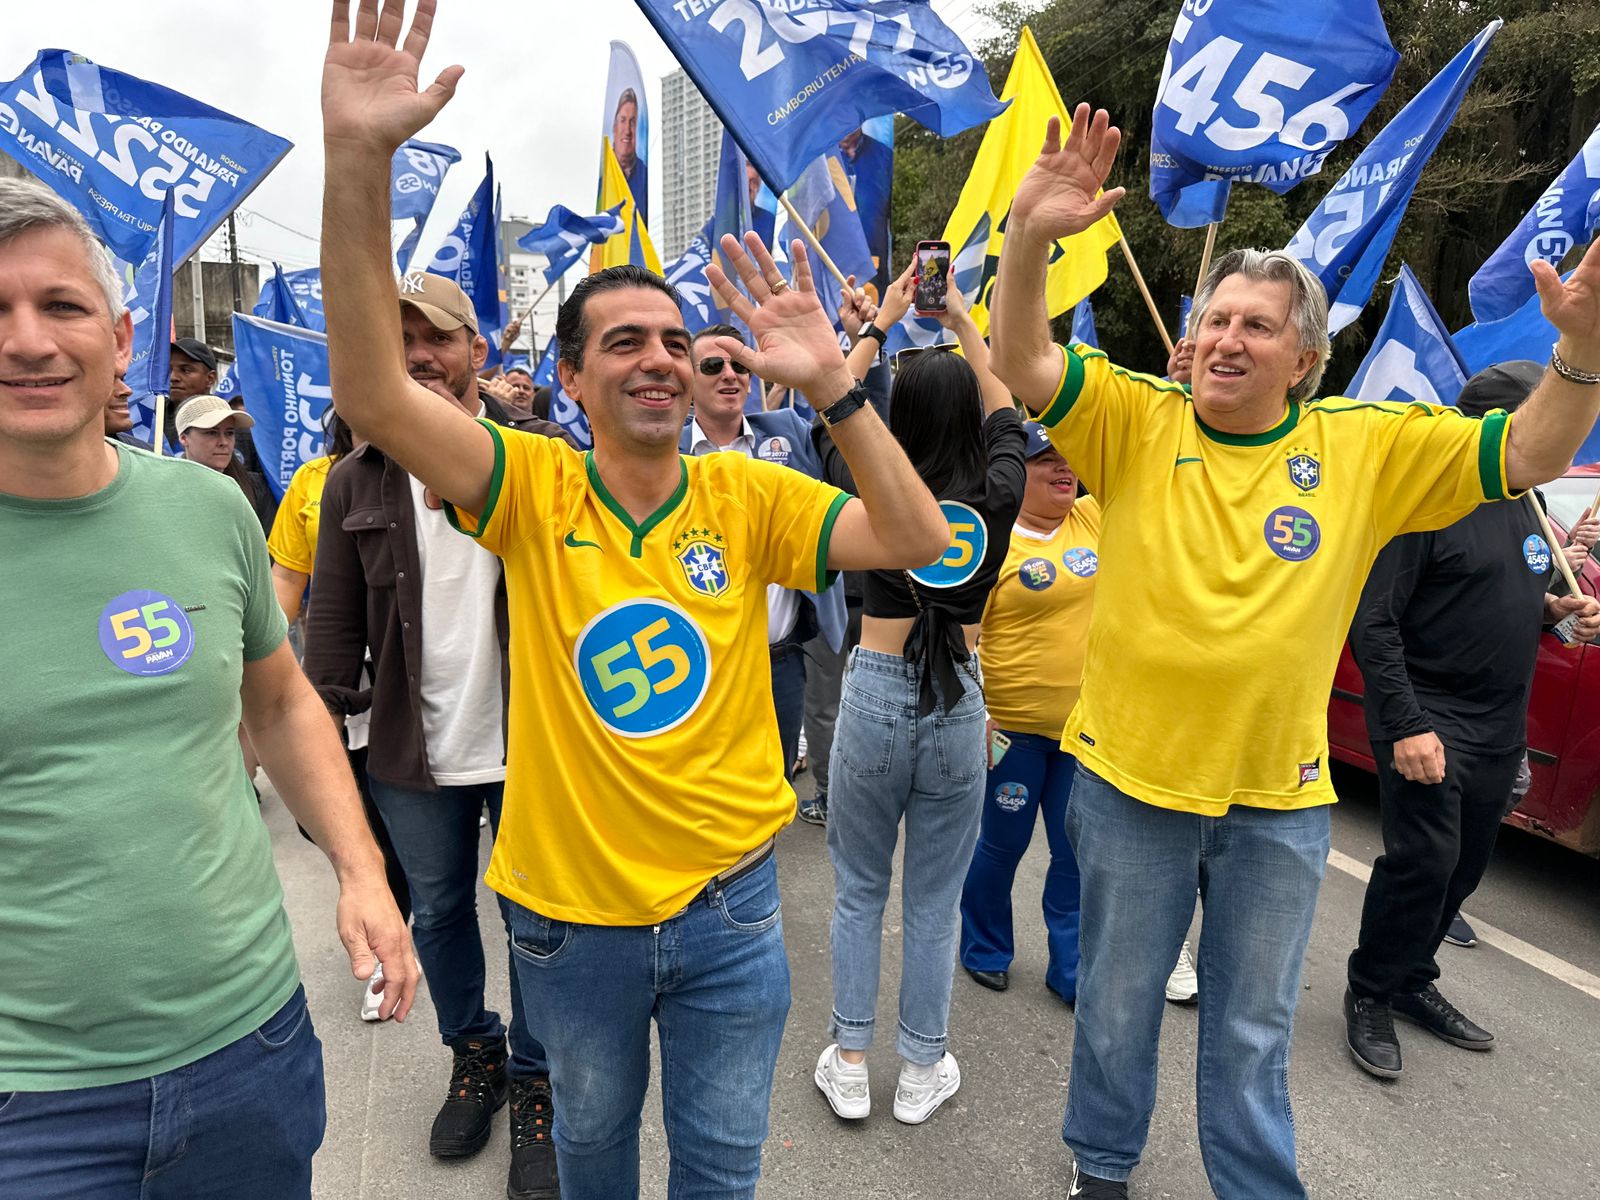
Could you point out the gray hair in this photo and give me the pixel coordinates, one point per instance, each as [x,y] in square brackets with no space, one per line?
[1308,303]
[26,206]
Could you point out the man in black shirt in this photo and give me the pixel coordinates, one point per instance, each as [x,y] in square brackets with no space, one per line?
[1446,635]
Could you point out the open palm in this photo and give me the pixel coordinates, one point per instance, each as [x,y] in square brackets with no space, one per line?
[1060,195]
[1573,306]
[370,96]
[795,342]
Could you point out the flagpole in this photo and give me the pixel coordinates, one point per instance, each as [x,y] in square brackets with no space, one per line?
[1144,290]
[158,433]
[1205,257]
[816,245]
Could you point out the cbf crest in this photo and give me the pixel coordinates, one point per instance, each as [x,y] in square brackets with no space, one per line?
[1305,472]
[700,553]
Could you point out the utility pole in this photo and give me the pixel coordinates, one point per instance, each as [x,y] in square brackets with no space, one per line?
[198,282]
[233,255]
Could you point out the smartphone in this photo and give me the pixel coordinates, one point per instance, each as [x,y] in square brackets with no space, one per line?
[999,743]
[933,278]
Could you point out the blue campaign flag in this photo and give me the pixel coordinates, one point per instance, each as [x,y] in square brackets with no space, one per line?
[1083,331]
[149,301]
[564,410]
[789,85]
[565,235]
[1567,215]
[1524,334]
[732,212]
[1185,307]
[284,378]
[227,382]
[867,155]
[823,198]
[415,175]
[1346,240]
[306,288]
[113,145]
[279,303]
[470,255]
[1413,357]
[1258,91]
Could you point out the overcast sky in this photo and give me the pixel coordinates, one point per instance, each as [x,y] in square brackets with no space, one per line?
[531,97]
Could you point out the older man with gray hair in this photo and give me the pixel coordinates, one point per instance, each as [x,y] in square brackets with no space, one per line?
[1202,743]
[154,1038]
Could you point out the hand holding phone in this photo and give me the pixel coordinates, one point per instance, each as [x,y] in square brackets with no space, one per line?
[933,278]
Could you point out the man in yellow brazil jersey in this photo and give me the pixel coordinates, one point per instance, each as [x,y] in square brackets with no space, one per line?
[1202,742]
[640,804]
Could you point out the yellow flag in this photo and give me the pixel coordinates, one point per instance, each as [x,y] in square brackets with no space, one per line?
[633,244]
[1010,147]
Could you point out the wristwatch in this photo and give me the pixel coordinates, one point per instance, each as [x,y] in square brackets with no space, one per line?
[869,330]
[850,403]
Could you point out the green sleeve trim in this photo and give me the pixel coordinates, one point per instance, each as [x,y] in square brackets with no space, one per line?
[1492,455]
[1067,391]
[826,577]
[497,478]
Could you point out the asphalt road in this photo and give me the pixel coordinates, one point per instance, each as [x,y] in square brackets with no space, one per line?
[1522,1121]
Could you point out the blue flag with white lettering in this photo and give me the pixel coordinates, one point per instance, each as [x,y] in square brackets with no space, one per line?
[113,145]
[1526,333]
[732,212]
[1346,240]
[1258,91]
[1413,357]
[564,410]
[284,377]
[565,235]
[415,175]
[279,303]
[1568,214]
[306,288]
[1083,331]
[789,85]
[470,255]
[149,302]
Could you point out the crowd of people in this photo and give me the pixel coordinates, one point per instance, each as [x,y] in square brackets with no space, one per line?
[947,589]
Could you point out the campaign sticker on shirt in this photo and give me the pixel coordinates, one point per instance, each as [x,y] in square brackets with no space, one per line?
[1293,533]
[1536,553]
[774,450]
[969,539]
[1011,796]
[644,666]
[1081,561]
[1036,574]
[146,633]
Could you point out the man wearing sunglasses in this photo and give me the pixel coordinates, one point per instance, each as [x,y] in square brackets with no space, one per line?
[716,422]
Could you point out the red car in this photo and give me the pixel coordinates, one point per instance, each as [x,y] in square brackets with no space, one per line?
[1563,729]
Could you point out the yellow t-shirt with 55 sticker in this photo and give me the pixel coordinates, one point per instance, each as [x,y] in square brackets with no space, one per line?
[1230,569]
[643,754]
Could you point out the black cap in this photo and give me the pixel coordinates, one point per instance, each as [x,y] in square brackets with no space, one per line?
[1504,385]
[197,350]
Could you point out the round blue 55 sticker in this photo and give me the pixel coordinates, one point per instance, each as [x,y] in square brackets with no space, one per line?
[1036,574]
[1293,533]
[145,633]
[644,665]
[1536,552]
[969,540]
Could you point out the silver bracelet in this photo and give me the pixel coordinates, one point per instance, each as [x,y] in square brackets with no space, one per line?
[1570,373]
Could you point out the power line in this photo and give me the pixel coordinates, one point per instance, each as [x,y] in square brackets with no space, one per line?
[249,215]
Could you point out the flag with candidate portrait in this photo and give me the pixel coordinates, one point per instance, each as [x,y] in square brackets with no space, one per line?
[632,244]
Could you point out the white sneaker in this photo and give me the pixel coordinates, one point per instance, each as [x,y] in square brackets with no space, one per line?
[1183,985]
[372,1000]
[844,1084]
[916,1098]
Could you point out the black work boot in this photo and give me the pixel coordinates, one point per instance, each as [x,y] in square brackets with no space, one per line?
[477,1092]
[1442,1019]
[1369,1028]
[533,1154]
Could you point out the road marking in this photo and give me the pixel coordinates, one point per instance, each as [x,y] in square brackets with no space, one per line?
[1539,960]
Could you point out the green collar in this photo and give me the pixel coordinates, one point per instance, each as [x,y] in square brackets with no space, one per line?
[1290,419]
[638,531]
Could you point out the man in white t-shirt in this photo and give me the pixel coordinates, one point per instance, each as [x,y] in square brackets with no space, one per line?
[431,605]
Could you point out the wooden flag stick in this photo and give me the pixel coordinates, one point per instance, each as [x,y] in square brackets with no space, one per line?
[158,433]
[1555,547]
[1144,290]
[816,245]
[1205,257]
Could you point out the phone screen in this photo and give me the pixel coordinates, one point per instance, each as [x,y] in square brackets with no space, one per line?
[933,276]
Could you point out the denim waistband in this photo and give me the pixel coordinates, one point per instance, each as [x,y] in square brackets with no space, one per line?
[896,666]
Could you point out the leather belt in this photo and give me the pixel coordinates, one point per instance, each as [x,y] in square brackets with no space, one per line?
[744,866]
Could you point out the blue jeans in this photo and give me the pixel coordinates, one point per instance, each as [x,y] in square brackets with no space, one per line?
[716,980]
[1034,778]
[789,699]
[1258,872]
[890,764]
[244,1121]
[435,836]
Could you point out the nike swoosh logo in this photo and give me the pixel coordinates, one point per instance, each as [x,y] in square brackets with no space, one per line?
[574,541]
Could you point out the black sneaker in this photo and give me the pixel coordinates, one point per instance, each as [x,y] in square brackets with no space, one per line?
[1442,1019]
[1369,1029]
[1460,933]
[533,1154]
[477,1092]
[1090,1187]
[814,811]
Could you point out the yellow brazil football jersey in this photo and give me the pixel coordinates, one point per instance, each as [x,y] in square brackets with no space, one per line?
[1231,566]
[293,542]
[643,754]
[1036,624]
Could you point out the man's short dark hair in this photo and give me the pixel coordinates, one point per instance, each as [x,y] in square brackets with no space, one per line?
[572,328]
[727,331]
[520,371]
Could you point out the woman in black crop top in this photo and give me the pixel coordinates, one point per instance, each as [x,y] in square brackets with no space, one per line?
[909,739]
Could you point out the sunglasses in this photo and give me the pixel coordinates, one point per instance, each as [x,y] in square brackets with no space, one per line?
[902,357]
[712,367]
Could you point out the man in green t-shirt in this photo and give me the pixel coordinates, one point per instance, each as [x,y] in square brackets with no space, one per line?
[153,1031]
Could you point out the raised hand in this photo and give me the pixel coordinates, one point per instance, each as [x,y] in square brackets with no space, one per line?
[795,342]
[1061,193]
[1573,307]
[370,97]
[897,299]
